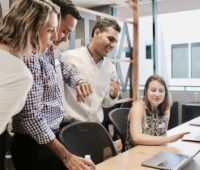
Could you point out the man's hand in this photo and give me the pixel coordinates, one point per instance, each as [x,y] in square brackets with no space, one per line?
[78,163]
[114,88]
[83,89]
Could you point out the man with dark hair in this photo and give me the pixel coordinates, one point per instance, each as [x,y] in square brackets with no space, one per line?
[67,7]
[103,25]
[35,144]
[69,17]
[99,71]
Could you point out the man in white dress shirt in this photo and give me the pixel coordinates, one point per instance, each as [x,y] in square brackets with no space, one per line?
[98,70]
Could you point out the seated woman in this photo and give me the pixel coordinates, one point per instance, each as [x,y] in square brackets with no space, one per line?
[149,118]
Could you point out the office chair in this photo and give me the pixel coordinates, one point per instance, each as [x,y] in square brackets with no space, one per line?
[126,104]
[119,118]
[83,138]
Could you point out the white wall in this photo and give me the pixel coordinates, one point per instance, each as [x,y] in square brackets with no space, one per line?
[5,6]
[145,38]
[180,27]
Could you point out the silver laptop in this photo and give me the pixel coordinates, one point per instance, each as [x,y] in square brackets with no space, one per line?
[195,122]
[192,138]
[168,160]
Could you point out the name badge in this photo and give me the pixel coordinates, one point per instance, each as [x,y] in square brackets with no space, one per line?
[57,62]
[161,126]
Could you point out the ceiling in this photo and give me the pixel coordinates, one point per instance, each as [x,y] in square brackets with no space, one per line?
[169,6]
[164,6]
[94,3]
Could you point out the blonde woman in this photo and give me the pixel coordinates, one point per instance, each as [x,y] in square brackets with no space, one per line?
[19,36]
[149,118]
[35,144]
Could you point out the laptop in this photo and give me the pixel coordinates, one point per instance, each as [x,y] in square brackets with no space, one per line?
[168,160]
[192,138]
[195,122]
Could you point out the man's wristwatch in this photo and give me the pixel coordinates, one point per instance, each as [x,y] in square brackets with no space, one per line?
[81,82]
[67,158]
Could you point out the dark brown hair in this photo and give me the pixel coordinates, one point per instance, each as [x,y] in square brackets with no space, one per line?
[165,105]
[67,7]
[102,25]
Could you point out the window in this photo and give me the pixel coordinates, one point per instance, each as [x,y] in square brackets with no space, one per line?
[148,52]
[180,61]
[195,60]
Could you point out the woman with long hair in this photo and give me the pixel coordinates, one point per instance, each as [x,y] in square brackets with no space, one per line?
[22,31]
[149,117]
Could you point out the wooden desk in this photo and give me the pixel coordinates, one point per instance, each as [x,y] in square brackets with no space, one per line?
[132,159]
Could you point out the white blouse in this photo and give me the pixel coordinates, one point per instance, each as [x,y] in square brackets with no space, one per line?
[15,82]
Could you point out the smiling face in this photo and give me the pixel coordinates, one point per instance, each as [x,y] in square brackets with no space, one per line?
[105,41]
[48,32]
[67,25]
[155,93]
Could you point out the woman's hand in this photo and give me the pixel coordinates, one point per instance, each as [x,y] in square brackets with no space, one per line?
[177,136]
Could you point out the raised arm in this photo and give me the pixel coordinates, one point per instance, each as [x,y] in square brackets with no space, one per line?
[73,78]
[113,87]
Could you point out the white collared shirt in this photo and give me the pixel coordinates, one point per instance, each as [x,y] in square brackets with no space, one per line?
[99,76]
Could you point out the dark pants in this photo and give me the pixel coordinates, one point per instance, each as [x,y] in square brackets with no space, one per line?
[4,141]
[29,155]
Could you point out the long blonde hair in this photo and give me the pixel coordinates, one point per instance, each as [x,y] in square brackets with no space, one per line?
[25,16]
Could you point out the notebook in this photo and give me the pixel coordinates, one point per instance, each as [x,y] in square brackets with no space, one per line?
[192,138]
[168,160]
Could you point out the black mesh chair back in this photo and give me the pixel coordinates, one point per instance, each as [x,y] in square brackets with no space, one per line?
[83,138]
[126,104]
[119,118]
